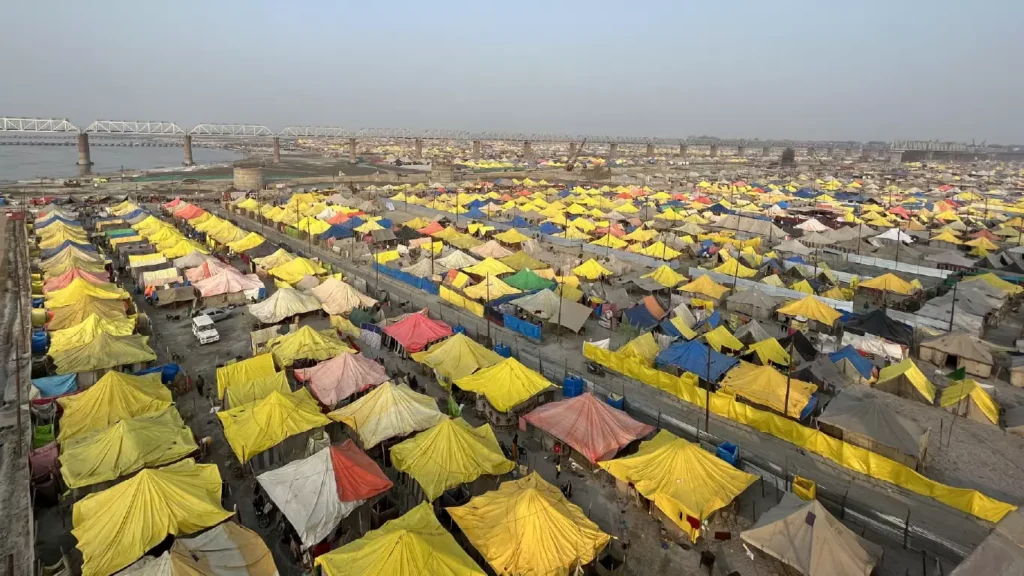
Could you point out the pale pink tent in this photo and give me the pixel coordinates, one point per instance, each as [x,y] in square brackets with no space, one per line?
[228,282]
[341,377]
[206,270]
[591,427]
[339,298]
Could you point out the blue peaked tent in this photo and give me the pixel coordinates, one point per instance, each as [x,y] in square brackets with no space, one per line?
[640,317]
[550,228]
[692,357]
[848,352]
[51,386]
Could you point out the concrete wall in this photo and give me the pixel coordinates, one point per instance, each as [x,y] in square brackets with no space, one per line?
[249,178]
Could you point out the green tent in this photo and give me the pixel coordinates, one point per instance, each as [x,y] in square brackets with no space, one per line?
[526,280]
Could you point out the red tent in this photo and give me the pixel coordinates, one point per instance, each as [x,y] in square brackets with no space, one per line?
[173,203]
[58,282]
[341,377]
[189,211]
[432,228]
[986,234]
[339,218]
[416,331]
[615,230]
[356,475]
[590,426]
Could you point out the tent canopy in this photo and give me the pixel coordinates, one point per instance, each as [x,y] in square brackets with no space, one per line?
[705,286]
[339,298]
[812,308]
[767,386]
[341,377]
[590,426]
[306,344]
[257,427]
[388,411]
[84,332]
[416,331]
[240,373]
[228,548]
[692,356]
[457,357]
[913,375]
[284,303]
[506,384]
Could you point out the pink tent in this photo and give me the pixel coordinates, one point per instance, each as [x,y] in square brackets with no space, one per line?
[590,426]
[206,270]
[228,282]
[341,377]
[173,203]
[416,331]
[62,281]
[188,211]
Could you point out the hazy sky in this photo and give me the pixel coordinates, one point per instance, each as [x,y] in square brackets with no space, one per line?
[815,69]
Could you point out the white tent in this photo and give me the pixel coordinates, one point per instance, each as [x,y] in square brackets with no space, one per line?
[812,225]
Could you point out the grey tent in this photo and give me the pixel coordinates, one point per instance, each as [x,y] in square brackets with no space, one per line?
[966,351]
[547,305]
[425,269]
[862,417]
[755,302]
[823,372]
[999,554]
[803,534]
[793,247]
[169,296]
[751,332]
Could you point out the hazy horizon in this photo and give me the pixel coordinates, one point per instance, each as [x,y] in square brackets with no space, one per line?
[792,70]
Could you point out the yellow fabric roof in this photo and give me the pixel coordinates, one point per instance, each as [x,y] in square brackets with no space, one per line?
[770,351]
[130,445]
[450,454]
[256,427]
[889,282]
[248,242]
[85,331]
[661,251]
[644,348]
[70,316]
[681,478]
[996,282]
[802,286]
[79,288]
[240,373]
[947,236]
[512,236]
[956,393]
[734,268]
[114,397]
[913,374]
[706,286]
[720,337]
[982,243]
[281,256]
[104,351]
[506,384]
[184,248]
[490,288]
[311,225]
[665,276]
[527,526]
[306,343]
[488,267]
[766,386]
[117,526]
[296,269]
[684,330]
[457,357]
[412,545]
[591,270]
[256,390]
[812,308]
[388,411]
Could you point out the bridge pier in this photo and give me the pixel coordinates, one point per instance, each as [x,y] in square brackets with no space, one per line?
[683,150]
[810,152]
[188,151]
[895,157]
[830,152]
[527,151]
[417,149]
[277,150]
[714,151]
[650,150]
[613,150]
[352,150]
[741,151]
[766,151]
[477,146]
[83,150]
[572,149]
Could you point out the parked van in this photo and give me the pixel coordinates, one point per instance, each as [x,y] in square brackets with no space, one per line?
[202,327]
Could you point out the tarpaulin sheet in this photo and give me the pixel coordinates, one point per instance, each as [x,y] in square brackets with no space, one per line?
[84,332]
[388,411]
[457,357]
[282,304]
[70,316]
[523,327]
[341,377]
[955,394]
[50,386]
[167,372]
[306,344]
[692,356]
[296,269]
[681,478]
[227,550]
[148,440]
[847,455]
[506,384]
[416,331]
[104,351]
[913,375]
[812,308]
[766,386]
[255,390]
[228,282]
[339,298]
[456,299]
[640,317]
[114,397]
[257,427]
[450,454]
[527,526]
[62,281]
[590,426]
[79,288]
[644,348]
[411,545]
[591,270]
[720,338]
[705,286]
[860,363]
[240,373]
[276,259]
[424,284]
[117,526]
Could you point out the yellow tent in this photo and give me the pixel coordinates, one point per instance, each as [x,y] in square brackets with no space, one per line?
[274,260]
[591,270]
[368,227]
[148,440]
[982,243]
[704,285]
[512,236]
[311,225]
[117,526]
[388,411]
[770,351]
[766,386]
[996,282]
[665,276]
[256,427]
[572,233]
[250,241]
[682,479]
[184,248]
[240,373]
[489,267]
[490,288]
[967,398]
[457,357]
[85,331]
[104,351]
[888,282]
[811,308]
[661,251]
[411,545]
[296,269]
[306,344]
[256,390]
[114,397]
[448,455]
[644,348]
[79,288]
[802,286]
[506,384]
[721,337]
[947,236]
[734,268]
[889,379]
[609,241]
[527,526]
[75,314]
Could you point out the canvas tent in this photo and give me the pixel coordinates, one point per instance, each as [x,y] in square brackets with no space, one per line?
[858,416]
[388,411]
[590,426]
[877,322]
[227,549]
[1001,553]
[254,428]
[906,380]
[506,384]
[416,331]
[341,377]
[283,304]
[967,398]
[959,350]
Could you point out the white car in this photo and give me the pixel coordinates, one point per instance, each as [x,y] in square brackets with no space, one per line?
[203,329]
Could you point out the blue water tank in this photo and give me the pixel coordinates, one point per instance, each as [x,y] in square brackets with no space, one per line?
[503,350]
[459,330]
[572,386]
[729,452]
[40,342]
[616,401]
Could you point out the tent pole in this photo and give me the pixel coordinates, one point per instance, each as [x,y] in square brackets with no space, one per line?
[789,371]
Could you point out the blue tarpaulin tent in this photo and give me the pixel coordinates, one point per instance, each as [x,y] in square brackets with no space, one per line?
[692,357]
[640,317]
[51,386]
[550,228]
[848,352]
[168,372]
[54,251]
[337,231]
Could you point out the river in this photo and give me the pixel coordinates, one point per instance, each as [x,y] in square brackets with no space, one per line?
[31,162]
